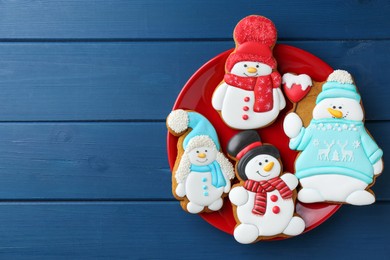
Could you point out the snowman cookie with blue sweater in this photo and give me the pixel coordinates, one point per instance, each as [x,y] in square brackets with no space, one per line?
[201,175]
[339,159]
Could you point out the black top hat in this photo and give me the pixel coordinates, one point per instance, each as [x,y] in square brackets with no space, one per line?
[246,145]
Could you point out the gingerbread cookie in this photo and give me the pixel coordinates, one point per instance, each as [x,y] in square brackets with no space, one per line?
[296,87]
[201,175]
[264,200]
[250,97]
[339,160]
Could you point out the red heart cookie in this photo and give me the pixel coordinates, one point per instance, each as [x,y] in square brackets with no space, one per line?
[296,87]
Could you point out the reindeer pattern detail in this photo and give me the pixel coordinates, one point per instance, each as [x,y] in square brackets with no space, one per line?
[323,154]
[346,154]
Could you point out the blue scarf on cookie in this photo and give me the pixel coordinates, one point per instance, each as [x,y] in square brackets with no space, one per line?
[217,178]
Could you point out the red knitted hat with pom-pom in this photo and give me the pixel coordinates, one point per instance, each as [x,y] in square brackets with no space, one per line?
[255,36]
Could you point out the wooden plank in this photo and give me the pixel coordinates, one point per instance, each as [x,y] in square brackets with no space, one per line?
[98,19]
[84,161]
[88,81]
[141,80]
[161,230]
[101,161]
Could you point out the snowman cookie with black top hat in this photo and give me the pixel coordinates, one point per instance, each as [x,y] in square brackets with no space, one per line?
[264,200]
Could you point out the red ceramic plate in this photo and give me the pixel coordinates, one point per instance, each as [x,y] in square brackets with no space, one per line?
[196,95]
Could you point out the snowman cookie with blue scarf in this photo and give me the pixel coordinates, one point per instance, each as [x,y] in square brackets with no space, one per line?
[339,159]
[201,175]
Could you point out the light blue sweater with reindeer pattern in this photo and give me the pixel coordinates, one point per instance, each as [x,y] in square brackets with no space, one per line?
[334,146]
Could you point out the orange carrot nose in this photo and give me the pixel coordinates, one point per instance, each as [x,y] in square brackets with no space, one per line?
[202,155]
[269,166]
[335,113]
[251,70]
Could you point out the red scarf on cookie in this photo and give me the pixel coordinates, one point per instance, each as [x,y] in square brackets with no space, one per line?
[262,87]
[262,187]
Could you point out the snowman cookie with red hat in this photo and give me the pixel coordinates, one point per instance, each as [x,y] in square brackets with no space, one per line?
[249,96]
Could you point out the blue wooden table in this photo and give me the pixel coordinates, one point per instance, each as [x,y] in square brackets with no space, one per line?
[85,89]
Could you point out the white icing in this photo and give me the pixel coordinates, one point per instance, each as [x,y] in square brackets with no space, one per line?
[238,196]
[194,208]
[340,76]
[308,195]
[178,121]
[183,169]
[347,155]
[282,100]
[295,227]
[256,169]
[246,233]
[200,141]
[360,198]
[197,186]
[203,155]
[292,125]
[180,190]
[195,190]
[330,187]
[219,96]
[378,167]
[216,205]
[303,80]
[269,224]
[259,168]
[232,108]
[226,166]
[323,154]
[350,108]
[290,180]
[251,69]
[185,162]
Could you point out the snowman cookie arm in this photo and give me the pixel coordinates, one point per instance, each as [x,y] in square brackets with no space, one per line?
[292,125]
[227,187]
[373,152]
[290,179]
[238,196]
[299,136]
[276,81]
[303,139]
[219,96]
[180,190]
[378,167]
[282,100]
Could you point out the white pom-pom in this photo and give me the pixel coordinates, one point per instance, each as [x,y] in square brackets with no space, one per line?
[341,76]
[178,121]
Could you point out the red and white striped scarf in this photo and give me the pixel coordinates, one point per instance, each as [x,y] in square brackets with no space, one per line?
[262,187]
